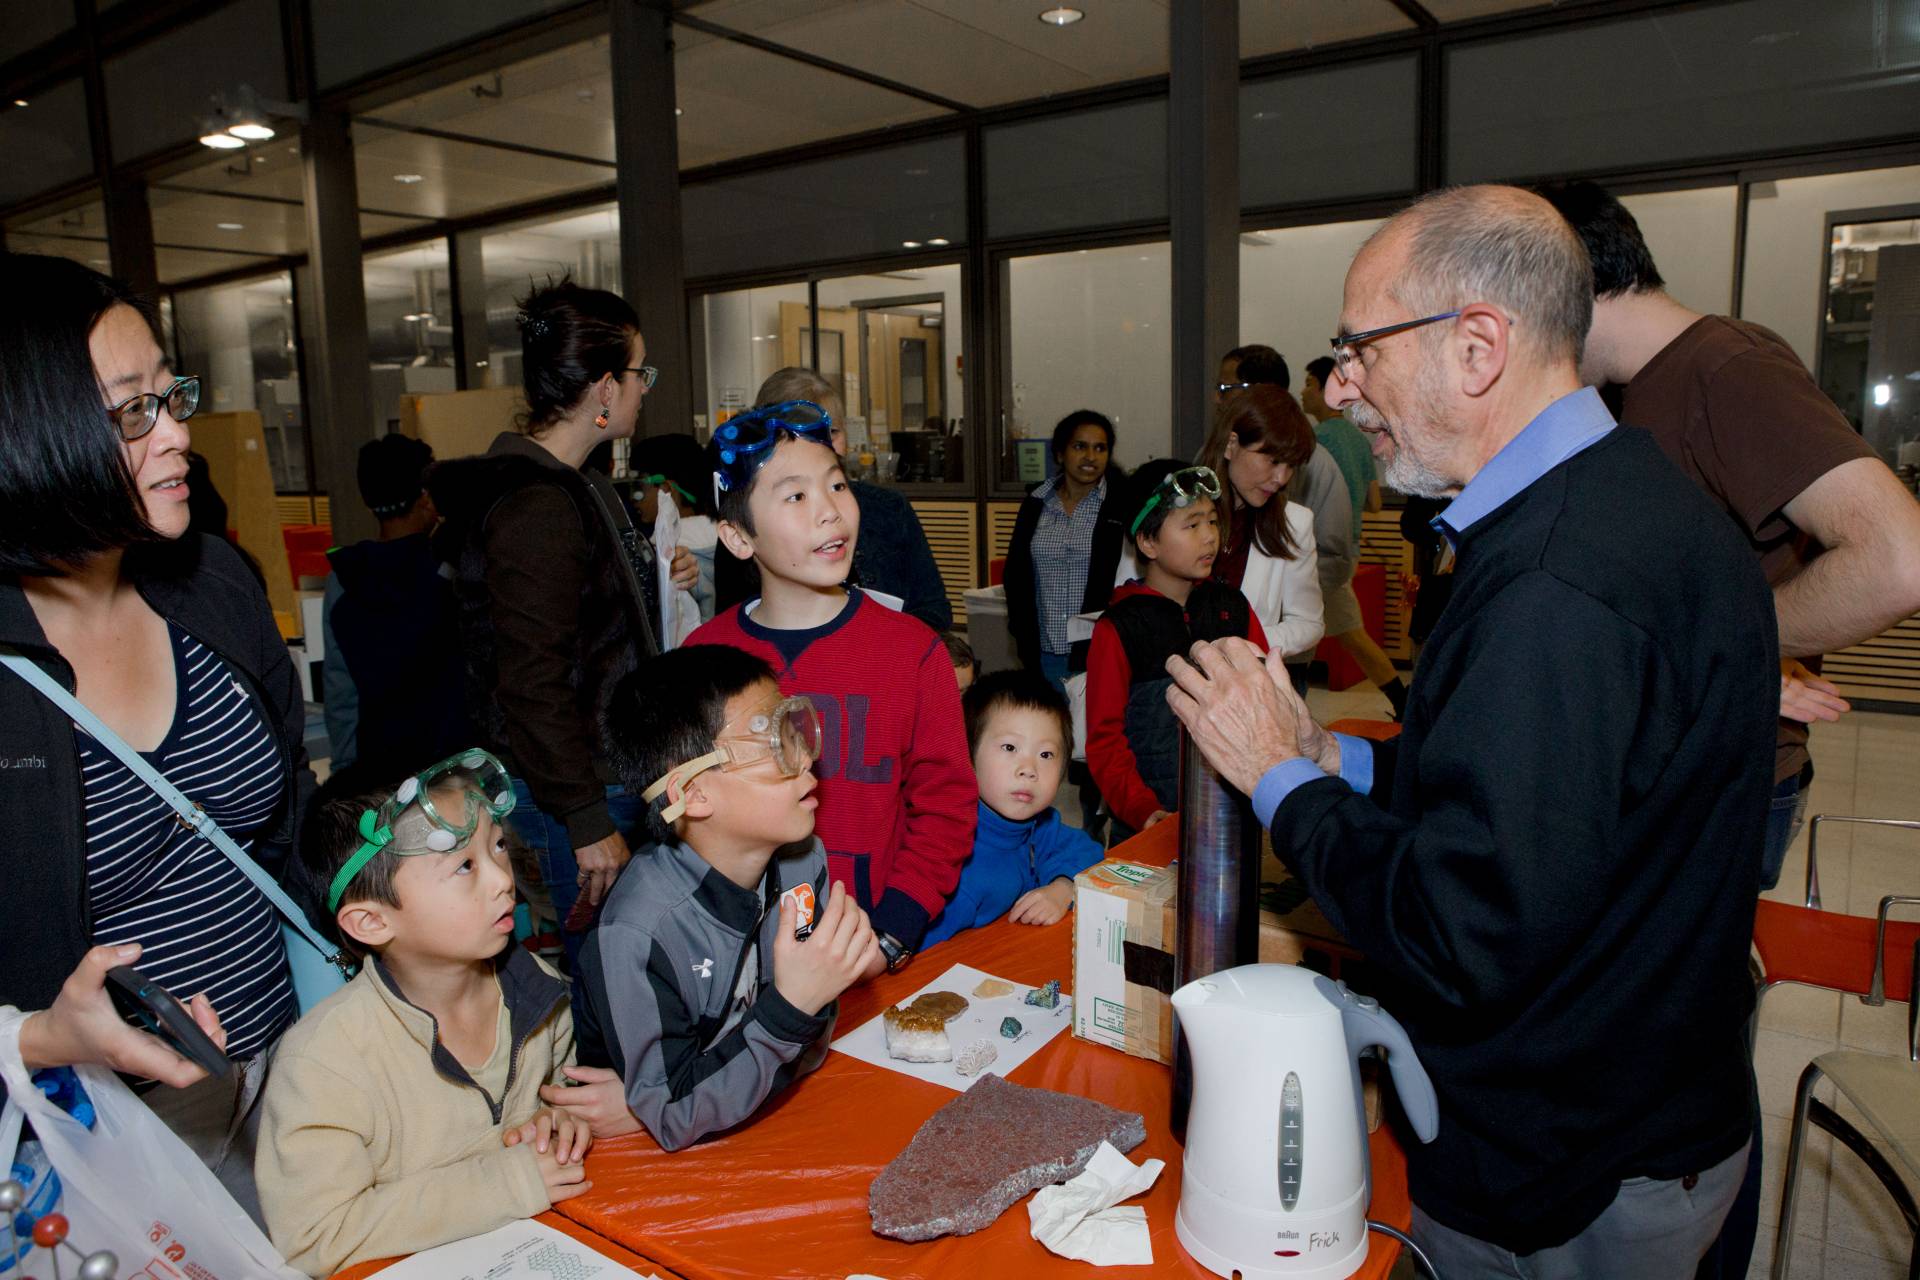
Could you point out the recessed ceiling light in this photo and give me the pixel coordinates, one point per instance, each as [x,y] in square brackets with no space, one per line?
[408,178]
[1061,15]
[940,240]
[231,226]
[19,102]
[909,244]
[679,111]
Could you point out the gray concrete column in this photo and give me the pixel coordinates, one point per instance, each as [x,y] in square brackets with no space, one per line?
[1203,201]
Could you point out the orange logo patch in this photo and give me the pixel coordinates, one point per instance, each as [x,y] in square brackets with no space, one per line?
[803,905]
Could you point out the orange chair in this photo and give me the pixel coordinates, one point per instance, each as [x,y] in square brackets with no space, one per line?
[1873,958]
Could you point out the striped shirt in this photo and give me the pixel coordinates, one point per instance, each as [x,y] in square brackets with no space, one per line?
[1062,546]
[202,924]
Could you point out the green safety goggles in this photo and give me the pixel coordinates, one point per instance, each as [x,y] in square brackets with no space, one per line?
[413,822]
[1182,488]
[662,482]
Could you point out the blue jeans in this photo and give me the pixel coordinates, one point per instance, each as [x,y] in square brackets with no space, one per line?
[1785,814]
[547,837]
[1054,667]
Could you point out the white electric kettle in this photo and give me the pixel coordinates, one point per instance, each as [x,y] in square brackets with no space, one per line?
[1275,1178]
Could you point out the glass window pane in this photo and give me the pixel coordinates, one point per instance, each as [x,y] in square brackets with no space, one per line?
[743,336]
[157,92]
[1291,280]
[352,38]
[239,338]
[409,328]
[1089,169]
[414,175]
[45,142]
[737,101]
[583,245]
[1288,155]
[892,344]
[1787,242]
[561,100]
[31,23]
[911,196]
[979,54]
[1089,329]
[1691,236]
[1870,355]
[1699,81]
[79,233]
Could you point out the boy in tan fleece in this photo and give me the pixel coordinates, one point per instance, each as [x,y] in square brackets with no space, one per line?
[402,1112]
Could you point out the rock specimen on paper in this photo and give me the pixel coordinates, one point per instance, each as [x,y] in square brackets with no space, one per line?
[973,1059]
[917,1032]
[1010,1028]
[1047,997]
[991,988]
[983,1151]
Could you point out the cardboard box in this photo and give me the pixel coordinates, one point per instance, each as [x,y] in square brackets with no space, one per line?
[1123,944]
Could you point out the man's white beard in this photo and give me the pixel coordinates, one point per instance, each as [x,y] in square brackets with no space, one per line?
[1406,472]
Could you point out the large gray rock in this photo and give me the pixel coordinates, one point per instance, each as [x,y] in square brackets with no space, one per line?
[983,1151]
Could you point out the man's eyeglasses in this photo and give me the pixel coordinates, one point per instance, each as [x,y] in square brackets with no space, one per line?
[1225,387]
[648,375]
[136,415]
[1346,350]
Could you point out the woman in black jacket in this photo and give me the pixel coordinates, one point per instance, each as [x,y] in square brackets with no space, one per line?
[1073,568]
[168,639]
[559,592]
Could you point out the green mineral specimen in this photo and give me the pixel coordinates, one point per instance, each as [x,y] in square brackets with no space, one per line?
[1010,1028]
[1047,997]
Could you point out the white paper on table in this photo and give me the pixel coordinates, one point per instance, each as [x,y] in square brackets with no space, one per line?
[980,1021]
[1079,1218]
[524,1250]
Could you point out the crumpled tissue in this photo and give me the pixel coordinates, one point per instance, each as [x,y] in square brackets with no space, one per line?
[1079,1218]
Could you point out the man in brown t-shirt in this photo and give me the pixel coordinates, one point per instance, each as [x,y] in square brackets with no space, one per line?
[1837,534]
[1733,407]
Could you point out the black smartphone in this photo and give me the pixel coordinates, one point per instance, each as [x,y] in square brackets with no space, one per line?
[135,993]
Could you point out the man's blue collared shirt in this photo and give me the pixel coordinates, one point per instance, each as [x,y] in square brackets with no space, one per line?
[1574,422]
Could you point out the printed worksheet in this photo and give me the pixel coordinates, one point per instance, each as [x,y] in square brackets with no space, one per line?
[980,1022]
[525,1250]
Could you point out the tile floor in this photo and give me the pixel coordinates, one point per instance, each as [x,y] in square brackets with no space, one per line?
[1866,764]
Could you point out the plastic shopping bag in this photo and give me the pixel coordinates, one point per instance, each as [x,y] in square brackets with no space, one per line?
[129,1185]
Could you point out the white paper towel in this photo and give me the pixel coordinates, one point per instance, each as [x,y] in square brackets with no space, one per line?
[1078,1218]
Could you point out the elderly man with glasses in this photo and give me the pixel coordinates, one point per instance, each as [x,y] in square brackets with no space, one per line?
[1554,866]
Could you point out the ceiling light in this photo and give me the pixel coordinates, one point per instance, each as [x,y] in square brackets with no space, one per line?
[19,102]
[213,133]
[940,240]
[909,244]
[1061,16]
[231,226]
[679,111]
[252,130]
[408,179]
[1882,394]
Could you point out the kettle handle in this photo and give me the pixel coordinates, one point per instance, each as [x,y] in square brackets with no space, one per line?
[1366,1023]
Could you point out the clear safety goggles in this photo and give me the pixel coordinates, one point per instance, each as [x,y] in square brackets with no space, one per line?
[435,811]
[787,732]
[1182,488]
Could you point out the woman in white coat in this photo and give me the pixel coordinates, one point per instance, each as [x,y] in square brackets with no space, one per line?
[1266,543]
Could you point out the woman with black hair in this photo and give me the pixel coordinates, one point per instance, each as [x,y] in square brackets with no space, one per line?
[1065,548]
[167,638]
[559,592]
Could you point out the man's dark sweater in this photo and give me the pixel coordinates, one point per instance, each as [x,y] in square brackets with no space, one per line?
[1557,865]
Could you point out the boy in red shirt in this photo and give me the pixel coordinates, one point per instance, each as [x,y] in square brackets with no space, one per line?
[897,793]
[1133,742]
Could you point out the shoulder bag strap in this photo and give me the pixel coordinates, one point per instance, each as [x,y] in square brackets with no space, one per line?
[191,815]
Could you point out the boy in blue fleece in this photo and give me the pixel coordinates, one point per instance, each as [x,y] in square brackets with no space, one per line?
[1024,857]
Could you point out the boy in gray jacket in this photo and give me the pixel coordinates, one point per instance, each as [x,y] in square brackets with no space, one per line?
[709,983]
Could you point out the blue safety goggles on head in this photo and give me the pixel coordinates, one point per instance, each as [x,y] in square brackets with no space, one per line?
[746,440]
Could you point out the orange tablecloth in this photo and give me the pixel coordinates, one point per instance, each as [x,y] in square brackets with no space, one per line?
[786,1195]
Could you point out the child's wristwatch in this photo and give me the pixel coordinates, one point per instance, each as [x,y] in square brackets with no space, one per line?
[896,951]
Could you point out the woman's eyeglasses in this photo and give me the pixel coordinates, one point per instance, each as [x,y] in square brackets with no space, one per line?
[136,415]
[648,375]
